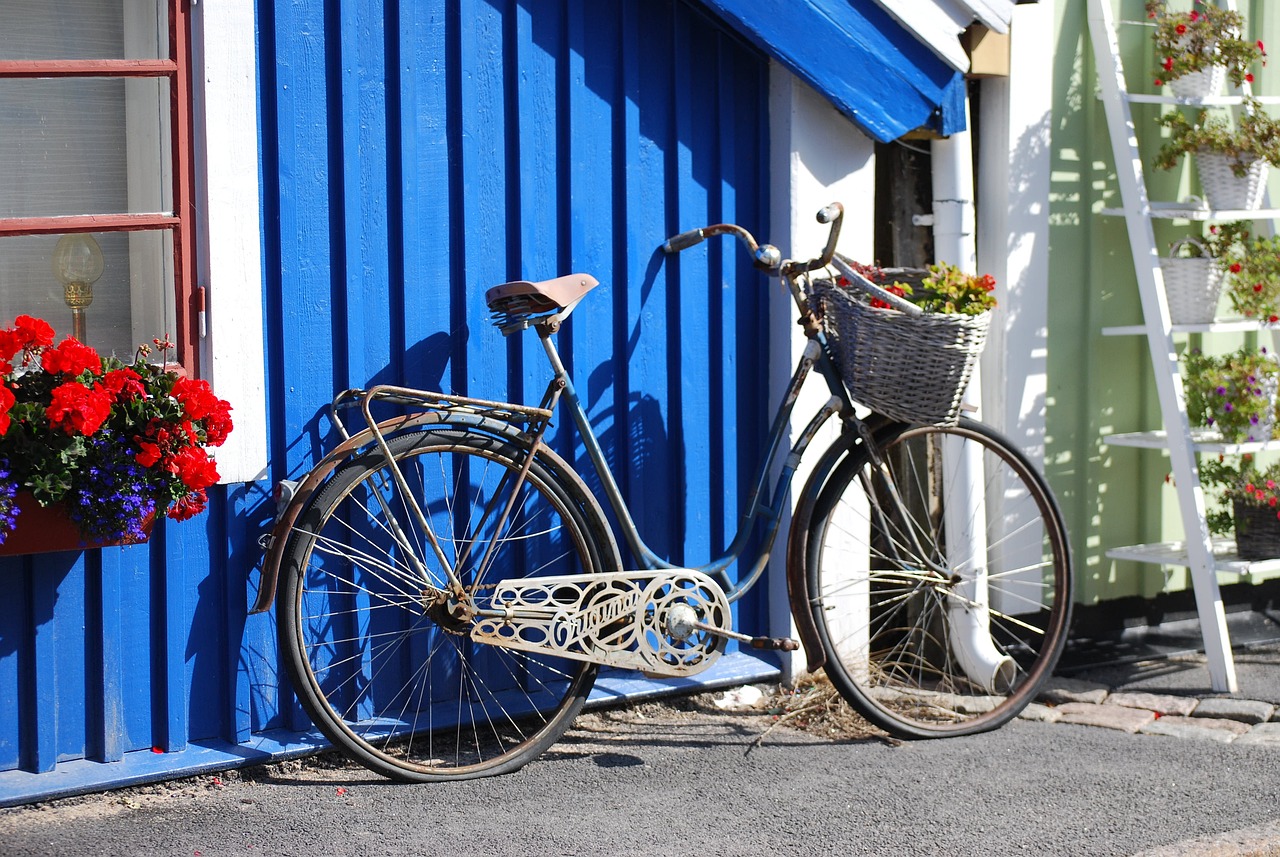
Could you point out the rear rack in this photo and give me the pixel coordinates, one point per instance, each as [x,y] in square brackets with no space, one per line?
[426,400]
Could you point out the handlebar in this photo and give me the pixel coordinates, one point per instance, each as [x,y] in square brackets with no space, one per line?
[766,257]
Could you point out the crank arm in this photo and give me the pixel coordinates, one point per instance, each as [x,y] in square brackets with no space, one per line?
[773,644]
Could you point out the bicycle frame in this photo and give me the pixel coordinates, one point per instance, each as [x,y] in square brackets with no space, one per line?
[814,355]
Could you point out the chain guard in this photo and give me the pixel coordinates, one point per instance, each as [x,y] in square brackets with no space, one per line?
[618,619]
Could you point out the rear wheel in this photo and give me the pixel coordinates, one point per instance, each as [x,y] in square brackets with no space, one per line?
[944,613]
[392,677]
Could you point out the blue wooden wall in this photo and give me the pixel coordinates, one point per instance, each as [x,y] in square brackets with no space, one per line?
[415,153]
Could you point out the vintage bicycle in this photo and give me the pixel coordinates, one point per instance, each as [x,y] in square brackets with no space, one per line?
[449,587]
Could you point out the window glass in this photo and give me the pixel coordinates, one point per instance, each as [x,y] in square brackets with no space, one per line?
[87,145]
[85,29]
[131,301]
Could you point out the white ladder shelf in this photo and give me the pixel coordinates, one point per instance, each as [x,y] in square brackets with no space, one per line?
[1199,552]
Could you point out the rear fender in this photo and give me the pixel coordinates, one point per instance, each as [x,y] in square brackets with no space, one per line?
[319,475]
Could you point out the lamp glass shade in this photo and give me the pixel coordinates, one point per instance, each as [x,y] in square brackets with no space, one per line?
[77,258]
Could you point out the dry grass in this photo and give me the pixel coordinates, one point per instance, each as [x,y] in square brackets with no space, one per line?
[814,706]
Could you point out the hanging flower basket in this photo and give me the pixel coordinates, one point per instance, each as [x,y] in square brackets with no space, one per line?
[42,529]
[1257,530]
[1227,191]
[1199,84]
[1192,284]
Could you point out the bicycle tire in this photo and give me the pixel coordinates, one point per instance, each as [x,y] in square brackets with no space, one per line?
[402,690]
[893,589]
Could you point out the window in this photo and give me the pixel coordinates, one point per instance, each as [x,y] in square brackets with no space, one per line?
[96,172]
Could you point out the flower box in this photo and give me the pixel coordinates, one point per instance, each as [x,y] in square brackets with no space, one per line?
[42,529]
[102,444]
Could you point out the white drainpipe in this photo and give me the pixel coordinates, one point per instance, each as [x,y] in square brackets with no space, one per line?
[965,521]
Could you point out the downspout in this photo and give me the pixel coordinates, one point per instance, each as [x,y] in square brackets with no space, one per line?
[969,625]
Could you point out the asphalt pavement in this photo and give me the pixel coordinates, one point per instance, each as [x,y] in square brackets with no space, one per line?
[684,779]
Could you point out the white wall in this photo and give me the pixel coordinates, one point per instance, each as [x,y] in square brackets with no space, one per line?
[230,233]
[1013,230]
[818,157]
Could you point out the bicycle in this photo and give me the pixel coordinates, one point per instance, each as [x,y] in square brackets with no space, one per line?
[449,587]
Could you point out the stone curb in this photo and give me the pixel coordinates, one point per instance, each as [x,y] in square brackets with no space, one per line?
[1222,719]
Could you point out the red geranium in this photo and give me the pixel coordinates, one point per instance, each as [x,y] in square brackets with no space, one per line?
[71,357]
[33,332]
[76,408]
[6,402]
[124,384]
[195,468]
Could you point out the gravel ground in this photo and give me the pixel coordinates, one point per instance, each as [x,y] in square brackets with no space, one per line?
[686,777]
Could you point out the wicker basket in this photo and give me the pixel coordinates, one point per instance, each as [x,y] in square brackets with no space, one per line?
[1199,84]
[1257,531]
[1192,285]
[1226,191]
[910,368]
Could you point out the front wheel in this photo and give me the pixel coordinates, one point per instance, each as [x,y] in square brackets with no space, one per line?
[939,576]
[389,673]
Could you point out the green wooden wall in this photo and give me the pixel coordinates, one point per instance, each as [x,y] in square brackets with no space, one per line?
[1111,495]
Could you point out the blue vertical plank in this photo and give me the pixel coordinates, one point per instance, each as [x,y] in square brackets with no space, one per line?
[62,574]
[172,637]
[137,611]
[646,58]
[40,693]
[308,254]
[12,633]
[238,504]
[725,350]
[202,587]
[750,172]
[538,60]
[593,75]
[484,188]
[104,687]
[427,188]
[364,197]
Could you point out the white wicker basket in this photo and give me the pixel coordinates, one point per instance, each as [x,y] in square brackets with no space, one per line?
[1226,191]
[1192,285]
[1199,84]
[910,368]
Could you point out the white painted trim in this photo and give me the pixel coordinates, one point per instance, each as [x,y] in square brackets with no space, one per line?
[818,157]
[1013,231]
[228,226]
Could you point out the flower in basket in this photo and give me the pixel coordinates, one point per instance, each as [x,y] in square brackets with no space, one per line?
[114,444]
[1253,270]
[1196,40]
[1244,484]
[945,289]
[1233,393]
[1255,136]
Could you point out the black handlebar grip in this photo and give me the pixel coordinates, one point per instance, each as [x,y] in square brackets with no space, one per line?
[683,241]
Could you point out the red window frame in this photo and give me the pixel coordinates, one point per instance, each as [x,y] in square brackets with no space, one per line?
[177,68]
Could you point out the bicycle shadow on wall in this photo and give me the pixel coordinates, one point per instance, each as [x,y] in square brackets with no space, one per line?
[424,365]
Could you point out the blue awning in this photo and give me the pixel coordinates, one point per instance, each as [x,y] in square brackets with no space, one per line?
[858,57]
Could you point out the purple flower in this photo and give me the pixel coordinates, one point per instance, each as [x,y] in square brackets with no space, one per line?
[1222,391]
[1227,407]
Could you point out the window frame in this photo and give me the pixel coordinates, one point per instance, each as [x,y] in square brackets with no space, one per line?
[188,297]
